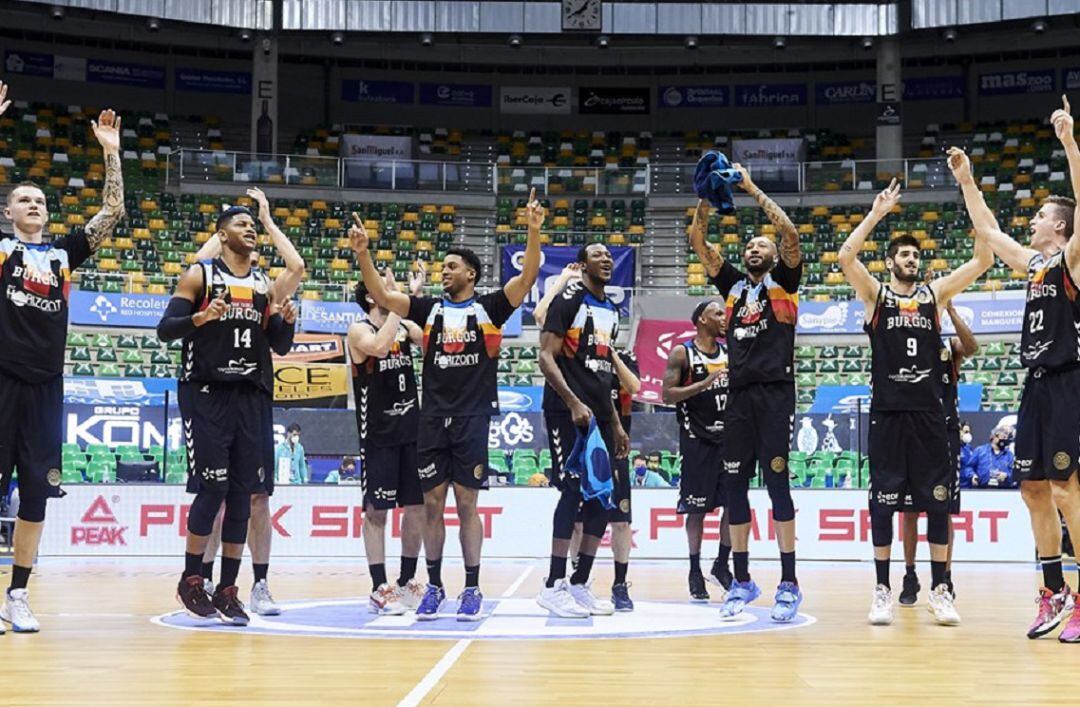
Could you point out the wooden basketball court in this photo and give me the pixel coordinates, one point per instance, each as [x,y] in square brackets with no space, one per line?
[98,646]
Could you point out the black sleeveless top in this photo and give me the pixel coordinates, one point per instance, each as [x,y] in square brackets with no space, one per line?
[702,416]
[387,407]
[905,344]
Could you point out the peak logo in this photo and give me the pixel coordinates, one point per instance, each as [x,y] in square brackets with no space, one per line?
[99,526]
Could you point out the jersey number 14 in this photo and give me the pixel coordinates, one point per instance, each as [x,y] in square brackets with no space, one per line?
[241,338]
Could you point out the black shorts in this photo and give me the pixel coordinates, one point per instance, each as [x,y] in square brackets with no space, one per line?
[389,476]
[954,493]
[701,483]
[909,454]
[267,430]
[561,437]
[453,449]
[758,424]
[31,433]
[1048,426]
[224,434]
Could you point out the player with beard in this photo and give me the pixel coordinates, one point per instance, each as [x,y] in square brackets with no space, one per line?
[576,358]
[462,337]
[229,320]
[1047,443]
[762,308]
[260,531]
[904,326]
[35,278]
[696,381]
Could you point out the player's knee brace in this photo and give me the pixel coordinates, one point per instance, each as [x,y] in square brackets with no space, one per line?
[593,519]
[31,507]
[779,487]
[203,511]
[937,528]
[881,528]
[738,498]
[565,512]
[234,525]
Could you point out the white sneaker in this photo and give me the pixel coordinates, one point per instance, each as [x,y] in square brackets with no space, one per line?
[16,611]
[385,602]
[583,595]
[262,602]
[560,602]
[941,606]
[881,611]
[410,595]
[208,586]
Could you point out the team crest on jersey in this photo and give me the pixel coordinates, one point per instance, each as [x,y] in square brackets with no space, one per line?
[1062,461]
[624,505]
[53,477]
[478,471]
[923,296]
[940,493]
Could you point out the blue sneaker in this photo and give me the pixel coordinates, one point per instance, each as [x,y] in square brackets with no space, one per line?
[469,603]
[788,599]
[740,594]
[620,597]
[434,597]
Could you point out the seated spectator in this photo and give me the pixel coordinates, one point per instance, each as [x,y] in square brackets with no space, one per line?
[993,462]
[643,475]
[289,456]
[967,454]
[347,469]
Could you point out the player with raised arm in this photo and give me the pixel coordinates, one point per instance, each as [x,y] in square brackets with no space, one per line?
[1047,443]
[903,321]
[35,277]
[462,338]
[260,530]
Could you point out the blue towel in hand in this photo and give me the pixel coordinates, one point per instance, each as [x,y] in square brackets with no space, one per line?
[590,462]
[714,181]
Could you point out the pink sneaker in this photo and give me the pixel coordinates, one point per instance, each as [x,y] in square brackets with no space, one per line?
[1052,609]
[1071,632]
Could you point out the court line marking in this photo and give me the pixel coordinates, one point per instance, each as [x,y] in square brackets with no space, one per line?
[429,681]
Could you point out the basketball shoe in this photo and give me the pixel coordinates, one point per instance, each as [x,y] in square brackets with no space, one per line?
[385,602]
[192,595]
[740,594]
[16,611]
[560,602]
[1052,609]
[881,610]
[229,607]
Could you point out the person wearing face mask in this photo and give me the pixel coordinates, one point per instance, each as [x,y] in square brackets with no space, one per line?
[993,462]
[644,476]
[290,454]
[967,453]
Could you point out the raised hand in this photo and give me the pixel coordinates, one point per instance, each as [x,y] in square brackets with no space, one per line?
[358,236]
[534,211]
[289,311]
[888,198]
[1062,121]
[959,164]
[746,183]
[388,278]
[417,278]
[107,130]
[215,311]
[701,219]
[260,199]
[4,102]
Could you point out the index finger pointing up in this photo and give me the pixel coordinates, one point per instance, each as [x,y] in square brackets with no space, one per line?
[532,195]
[356,219]
[1065,103]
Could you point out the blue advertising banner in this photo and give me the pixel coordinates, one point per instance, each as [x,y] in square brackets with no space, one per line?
[328,317]
[1070,78]
[361,91]
[120,310]
[28,63]
[847,399]
[933,88]
[209,81]
[1014,82]
[124,74]
[555,258]
[521,399]
[455,95]
[983,316]
[838,92]
[770,95]
[693,97]
[119,391]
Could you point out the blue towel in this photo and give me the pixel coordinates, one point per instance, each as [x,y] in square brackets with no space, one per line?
[714,181]
[590,462]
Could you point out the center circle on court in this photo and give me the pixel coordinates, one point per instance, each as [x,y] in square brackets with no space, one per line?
[514,618]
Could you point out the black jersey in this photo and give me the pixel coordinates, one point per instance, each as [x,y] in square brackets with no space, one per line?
[761,322]
[1051,328]
[905,345]
[624,402]
[588,327]
[36,279]
[702,416]
[387,407]
[950,377]
[461,353]
[234,349]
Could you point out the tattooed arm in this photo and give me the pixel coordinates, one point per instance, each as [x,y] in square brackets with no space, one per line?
[107,132]
[789,235]
[710,257]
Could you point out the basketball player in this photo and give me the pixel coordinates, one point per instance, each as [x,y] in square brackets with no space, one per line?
[462,336]
[953,353]
[260,531]
[696,382]
[36,278]
[1047,443]
[576,360]
[903,323]
[387,411]
[229,319]
[762,307]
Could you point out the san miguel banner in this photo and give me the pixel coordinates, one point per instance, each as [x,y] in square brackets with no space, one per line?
[311,385]
[376,147]
[555,258]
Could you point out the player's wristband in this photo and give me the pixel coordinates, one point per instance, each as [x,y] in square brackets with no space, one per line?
[178,321]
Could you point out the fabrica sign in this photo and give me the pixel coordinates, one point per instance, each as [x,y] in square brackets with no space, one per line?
[542,100]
